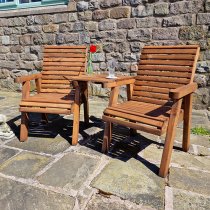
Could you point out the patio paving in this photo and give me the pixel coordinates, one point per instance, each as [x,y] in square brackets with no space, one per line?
[46,172]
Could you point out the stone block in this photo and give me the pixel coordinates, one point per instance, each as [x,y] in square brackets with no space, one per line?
[148,22]
[6,153]
[106,25]
[124,182]
[73,38]
[4,49]
[5,40]
[132,2]
[73,17]
[29,57]
[191,33]
[110,3]
[91,26]
[16,49]
[82,6]
[24,165]
[60,18]
[65,27]
[130,57]
[34,29]
[161,9]
[139,35]
[98,57]
[136,46]
[126,24]
[207,6]
[100,14]
[31,197]
[203,19]
[84,38]
[190,180]
[109,47]
[165,33]
[51,28]
[43,19]
[70,172]
[13,56]
[201,80]
[123,47]
[201,98]
[72,6]
[40,39]
[17,21]
[26,40]
[85,16]
[78,26]
[4,22]
[185,200]
[30,20]
[120,12]
[142,11]
[26,65]
[179,20]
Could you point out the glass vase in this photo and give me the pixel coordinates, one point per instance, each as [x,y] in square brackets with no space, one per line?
[90,65]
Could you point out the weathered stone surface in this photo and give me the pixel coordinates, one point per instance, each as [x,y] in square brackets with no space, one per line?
[72,6]
[5,40]
[73,38]
[4,50]
[21,196]
[91,26]
[203,18]
[126,24]
[179,20]
[207,5]
[132,2]
[43,19]
[203,151]
[70,172]
[201,80]
[78,26]
[122,179]
[100,14]
[50,28]
[6,153]
[106,25]
[99,57]
[143,11]
[161,9]
[65,27]
[26,40]
[44,39]
[85,16]
[201,98]
[186,200]
[60,18]
[139,35]
[136,46]
[73,17]
[24,165]
[34,29]
[120,12]
[17,21]
[191,33]
[110,3]
[190,180]
[82,6]
[165,33]
[148,22]
[123,47]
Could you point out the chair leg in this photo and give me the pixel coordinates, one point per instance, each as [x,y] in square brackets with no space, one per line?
[45,118]
[85,101]
[107,137]
[75,124]
[24,127]
[187,122]
[169,140]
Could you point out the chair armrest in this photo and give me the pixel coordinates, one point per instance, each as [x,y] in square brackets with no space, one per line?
[27,78]
[183,91]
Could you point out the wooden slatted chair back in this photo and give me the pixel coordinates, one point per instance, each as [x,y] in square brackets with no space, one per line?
[163,68]
[61,61]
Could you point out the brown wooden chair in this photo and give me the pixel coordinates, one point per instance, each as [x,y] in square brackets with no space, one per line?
[55,94]
[160,97]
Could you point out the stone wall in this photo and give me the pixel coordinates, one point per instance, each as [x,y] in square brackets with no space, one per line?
[119,27]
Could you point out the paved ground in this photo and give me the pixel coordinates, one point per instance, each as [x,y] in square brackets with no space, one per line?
[47,173]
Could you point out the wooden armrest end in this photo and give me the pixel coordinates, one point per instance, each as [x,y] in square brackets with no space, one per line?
[27,78]
[183,91]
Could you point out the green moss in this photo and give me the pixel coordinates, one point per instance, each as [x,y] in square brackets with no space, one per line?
[200,131]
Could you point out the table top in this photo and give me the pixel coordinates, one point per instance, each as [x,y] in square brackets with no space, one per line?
[103,80]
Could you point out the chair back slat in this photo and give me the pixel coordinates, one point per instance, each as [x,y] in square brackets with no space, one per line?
[61,61]
[162,68]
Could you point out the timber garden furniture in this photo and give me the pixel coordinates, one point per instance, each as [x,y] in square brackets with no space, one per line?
[160,98]
[56,94]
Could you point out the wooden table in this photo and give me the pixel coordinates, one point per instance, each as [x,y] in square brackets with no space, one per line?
[106,83]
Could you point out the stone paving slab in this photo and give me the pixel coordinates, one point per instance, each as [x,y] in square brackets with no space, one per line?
[190,180]
[99,202]
[6,153]
[185,200]
[45,145]
[184,159]
[24,165]
[70,172]
[18,196]
[133,181]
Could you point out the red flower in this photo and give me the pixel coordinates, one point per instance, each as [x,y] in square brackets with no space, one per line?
[93,48]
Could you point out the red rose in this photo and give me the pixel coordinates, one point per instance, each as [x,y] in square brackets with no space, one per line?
[93,48]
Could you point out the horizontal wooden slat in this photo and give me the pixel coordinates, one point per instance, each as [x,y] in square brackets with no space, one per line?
[166,57]
[63,59]
[151,95]
[165,73]
[54,91]
[172,47]
[54,77]
[51,81]
[55,86]
[64,50]
[70,73]
[166,68]
[169,51]
[167,62]
[45,110]
[64,55]
[149,100]
[71,64]
[158,84]
[151,89]
[163,79]
[132,125]
[47,105]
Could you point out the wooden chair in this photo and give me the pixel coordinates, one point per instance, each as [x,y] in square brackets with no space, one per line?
[55,94]
[160,97]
